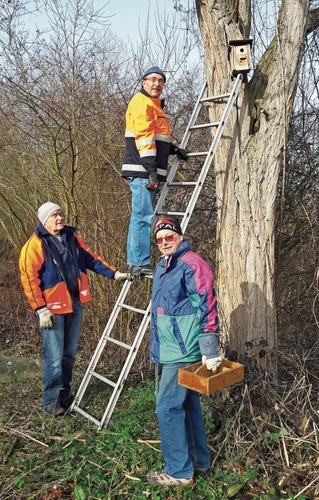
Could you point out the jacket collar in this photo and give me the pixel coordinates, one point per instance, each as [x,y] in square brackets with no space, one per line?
[42,232]
[183,248]
[160,102]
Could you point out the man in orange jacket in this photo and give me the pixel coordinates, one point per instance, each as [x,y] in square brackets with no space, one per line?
[53,265]
[148,145]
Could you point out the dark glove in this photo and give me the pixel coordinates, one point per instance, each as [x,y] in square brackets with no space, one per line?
[181,153]
[149,163]
[153,184]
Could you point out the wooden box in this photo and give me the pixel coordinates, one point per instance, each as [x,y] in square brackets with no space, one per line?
[198,378]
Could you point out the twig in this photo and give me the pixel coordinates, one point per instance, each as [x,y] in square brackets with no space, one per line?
[152,441]
[283,428]
[96,465]
[76,437]
[148,443]
[306,487]
[316,436]
[285,449]
[25,435]
[131,477]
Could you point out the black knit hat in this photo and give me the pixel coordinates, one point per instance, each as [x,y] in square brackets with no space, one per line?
[167,223]
[154,69]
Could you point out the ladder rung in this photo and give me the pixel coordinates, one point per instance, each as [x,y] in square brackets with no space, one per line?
[131,308]
[87,415]
[197,153]
[168,212]
[181,184]
[104,379]
[204,125]
[215,97]
[118,342]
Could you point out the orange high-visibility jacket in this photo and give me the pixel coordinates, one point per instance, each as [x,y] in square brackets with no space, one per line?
[147,134]
[42,278]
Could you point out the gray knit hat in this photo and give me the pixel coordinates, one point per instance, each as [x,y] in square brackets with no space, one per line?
[46,210]
[154,69]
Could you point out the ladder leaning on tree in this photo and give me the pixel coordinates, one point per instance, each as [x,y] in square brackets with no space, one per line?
[228,100]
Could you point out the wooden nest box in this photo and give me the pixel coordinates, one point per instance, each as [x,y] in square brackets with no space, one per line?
[198,378]
[240,56]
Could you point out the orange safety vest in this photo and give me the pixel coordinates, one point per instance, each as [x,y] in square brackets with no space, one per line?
[147,134]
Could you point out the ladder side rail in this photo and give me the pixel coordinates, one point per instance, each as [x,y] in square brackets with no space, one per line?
[104,337]
[164,189]
[175,163]
[194,116]
[126,369]
[211,152]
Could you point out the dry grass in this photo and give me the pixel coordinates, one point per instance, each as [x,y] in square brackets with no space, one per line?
[274,425]
[265,432]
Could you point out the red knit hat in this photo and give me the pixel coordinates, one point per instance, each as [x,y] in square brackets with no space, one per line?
[167,223]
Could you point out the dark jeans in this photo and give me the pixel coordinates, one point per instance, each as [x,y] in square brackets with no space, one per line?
[59,349]
[180,420]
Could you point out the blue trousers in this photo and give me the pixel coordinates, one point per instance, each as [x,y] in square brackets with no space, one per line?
[181,425]
[139,232]
[59,349]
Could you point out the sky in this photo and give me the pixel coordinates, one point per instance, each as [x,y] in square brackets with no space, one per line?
[126,17]
[130,15]
[129,18]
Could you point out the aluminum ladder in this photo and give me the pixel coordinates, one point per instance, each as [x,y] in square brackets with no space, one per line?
[106,337]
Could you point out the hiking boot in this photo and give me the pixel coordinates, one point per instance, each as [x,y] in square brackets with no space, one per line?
[55,410]
[162,479]
[146,270]
[66,402]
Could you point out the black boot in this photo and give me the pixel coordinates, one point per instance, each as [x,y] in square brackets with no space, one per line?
[146,270]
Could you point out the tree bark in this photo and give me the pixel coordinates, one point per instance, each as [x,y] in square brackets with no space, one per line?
[248,164]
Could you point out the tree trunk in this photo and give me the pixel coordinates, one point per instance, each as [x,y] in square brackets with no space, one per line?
[248,163]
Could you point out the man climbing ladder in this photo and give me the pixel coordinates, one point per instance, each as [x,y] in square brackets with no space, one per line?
[147,147]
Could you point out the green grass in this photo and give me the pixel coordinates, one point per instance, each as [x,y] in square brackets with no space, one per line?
[42,456]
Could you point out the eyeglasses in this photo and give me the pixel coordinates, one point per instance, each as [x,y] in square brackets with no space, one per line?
[168,238]
[153,80]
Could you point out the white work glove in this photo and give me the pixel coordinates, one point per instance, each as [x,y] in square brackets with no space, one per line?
[46,318]
[211,363]
[118,276]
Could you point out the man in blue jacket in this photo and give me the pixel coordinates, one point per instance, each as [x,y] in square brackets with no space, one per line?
[184,329]
[53,265]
